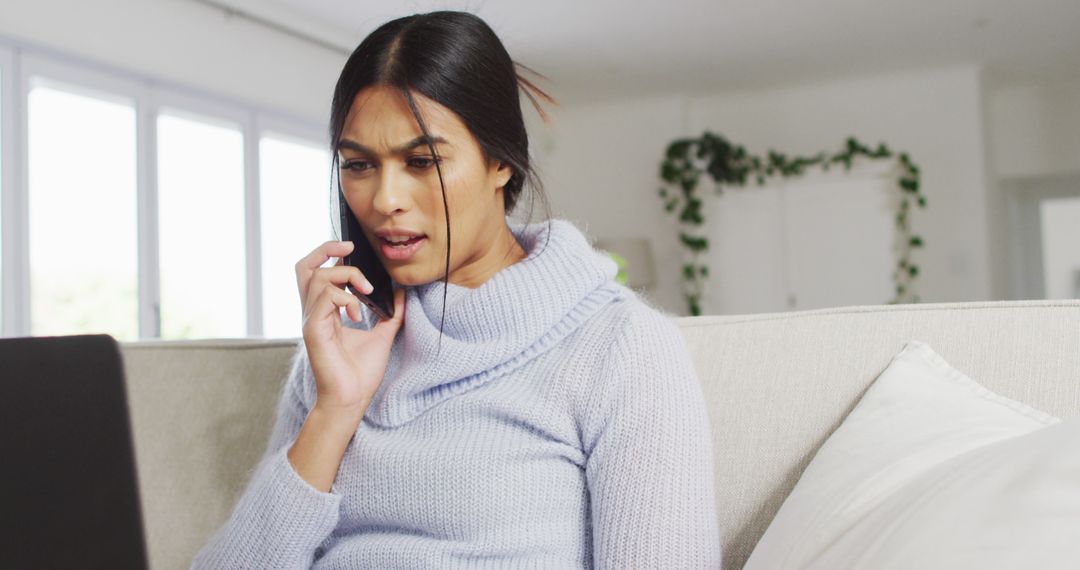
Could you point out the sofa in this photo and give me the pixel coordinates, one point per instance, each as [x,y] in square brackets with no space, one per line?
[777,385]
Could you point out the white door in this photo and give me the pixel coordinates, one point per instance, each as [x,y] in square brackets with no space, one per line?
[822,240]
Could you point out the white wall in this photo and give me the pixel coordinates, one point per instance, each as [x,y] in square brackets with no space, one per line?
[604,159]
[600,166]
[184,42]
[600,160]
[1038,123]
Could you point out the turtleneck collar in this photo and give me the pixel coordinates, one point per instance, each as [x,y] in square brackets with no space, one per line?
[514,316]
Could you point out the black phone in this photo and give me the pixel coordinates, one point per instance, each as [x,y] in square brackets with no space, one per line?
[363,256]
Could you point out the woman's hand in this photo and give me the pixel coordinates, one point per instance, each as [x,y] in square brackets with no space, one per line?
[348,363]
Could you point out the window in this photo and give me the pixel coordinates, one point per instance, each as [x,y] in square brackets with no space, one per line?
[82,223]
[296,217]
[201,227]
[140,209]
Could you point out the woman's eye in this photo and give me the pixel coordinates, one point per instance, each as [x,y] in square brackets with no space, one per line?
[355,165]
[421,162]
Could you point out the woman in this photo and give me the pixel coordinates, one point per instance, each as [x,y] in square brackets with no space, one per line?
[521,408]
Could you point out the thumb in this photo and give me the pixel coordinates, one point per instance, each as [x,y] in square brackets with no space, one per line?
[389,327]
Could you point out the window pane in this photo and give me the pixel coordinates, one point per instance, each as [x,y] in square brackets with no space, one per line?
[201,221]
[296,217]
[83,231]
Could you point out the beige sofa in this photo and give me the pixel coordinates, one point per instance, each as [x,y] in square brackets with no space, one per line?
[777,385]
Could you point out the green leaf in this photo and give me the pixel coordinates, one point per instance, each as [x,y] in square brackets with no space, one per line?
[694,243]
[678,149]
[669,172]
[692,211]
[620,263]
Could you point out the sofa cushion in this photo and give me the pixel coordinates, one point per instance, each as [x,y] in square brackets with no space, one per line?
[933,470]
[201,411]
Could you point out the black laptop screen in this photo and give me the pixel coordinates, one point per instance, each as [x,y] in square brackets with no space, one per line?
[68,489]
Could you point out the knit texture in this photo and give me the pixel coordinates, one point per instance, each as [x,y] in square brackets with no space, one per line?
[562,425]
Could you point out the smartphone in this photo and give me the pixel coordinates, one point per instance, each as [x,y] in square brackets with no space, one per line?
[363,256]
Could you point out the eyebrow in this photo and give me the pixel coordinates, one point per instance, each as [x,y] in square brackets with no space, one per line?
[418,141]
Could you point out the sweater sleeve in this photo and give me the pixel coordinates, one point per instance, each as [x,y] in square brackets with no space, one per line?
[280,519]
[647,437]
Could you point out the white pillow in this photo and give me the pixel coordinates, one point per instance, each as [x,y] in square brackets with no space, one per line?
[932,470]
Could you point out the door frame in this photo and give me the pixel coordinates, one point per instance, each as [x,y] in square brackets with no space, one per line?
[1023,195]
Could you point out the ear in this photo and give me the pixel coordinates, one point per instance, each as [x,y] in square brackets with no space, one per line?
[501,173]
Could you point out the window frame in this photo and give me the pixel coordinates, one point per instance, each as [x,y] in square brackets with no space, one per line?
[10,225]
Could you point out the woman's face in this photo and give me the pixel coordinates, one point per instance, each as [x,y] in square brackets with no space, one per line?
[390,182]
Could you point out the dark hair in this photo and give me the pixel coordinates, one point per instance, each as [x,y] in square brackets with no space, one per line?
[455,59]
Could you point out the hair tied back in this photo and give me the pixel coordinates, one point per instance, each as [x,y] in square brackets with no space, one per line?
[529,88]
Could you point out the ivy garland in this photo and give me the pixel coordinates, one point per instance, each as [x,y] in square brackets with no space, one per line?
[729,164]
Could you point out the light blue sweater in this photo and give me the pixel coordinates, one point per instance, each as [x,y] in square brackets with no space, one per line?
[563,426]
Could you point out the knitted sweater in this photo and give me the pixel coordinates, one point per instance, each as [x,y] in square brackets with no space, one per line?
[561,426]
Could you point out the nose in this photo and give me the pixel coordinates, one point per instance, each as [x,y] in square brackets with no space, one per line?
[392,196]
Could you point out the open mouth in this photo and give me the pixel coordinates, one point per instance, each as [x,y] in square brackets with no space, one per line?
[402,243]
[401,249]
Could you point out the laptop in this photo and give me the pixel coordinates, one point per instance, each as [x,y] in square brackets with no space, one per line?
[68,490]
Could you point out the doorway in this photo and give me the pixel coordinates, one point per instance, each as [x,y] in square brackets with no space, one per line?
[1044,215]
